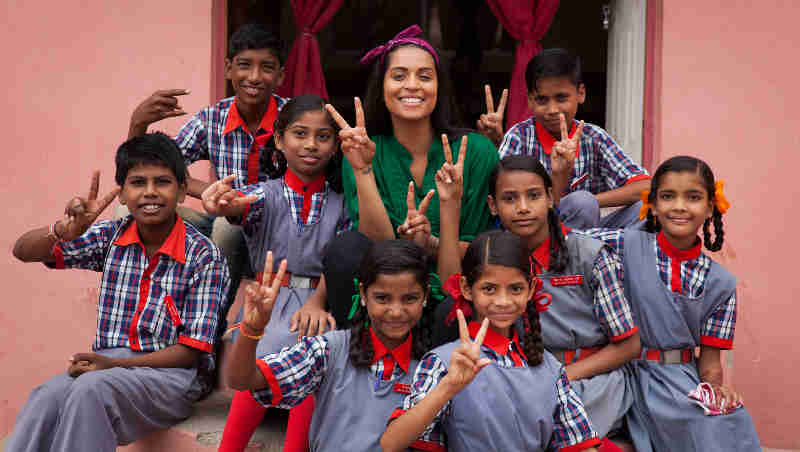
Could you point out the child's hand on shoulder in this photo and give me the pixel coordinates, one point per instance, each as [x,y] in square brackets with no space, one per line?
[357,147]
[260,297]
[465,361]
[562,157]
[221,199]
[80,363]
[450,178]
[490,124]
[81,213]
[416,226]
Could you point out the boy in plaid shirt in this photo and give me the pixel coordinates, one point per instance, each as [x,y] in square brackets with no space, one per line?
[599,174]
[161,289]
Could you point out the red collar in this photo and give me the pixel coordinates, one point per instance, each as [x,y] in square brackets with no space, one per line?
[542,254]
[303,188]
[174,246]
[401,354]
[267,122]
[548,140]
[494,340]
[675,253]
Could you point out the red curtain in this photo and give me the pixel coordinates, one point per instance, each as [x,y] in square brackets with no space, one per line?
[303,67]
[526,21]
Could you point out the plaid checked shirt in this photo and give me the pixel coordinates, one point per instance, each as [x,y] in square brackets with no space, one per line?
[297,371]
[684,272]
[572,427]
[148,305]
[600,166]
[218,134]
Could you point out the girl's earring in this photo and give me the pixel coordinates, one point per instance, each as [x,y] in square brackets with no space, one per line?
[424,302]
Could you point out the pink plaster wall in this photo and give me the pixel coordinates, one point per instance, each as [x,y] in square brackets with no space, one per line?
[729,96]
[74,71]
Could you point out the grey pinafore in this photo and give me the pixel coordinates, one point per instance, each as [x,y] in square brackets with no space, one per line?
[570,323]
[302,247]
[662,417]
[352,405]
[503,409]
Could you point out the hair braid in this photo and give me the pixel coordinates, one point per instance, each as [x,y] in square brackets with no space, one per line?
[422,333]
[651,225]
[361,351]
[272,161]
[532,344]
[559,255]
[716,245]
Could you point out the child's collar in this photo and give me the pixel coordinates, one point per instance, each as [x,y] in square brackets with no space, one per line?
[174,246]
[541,255]
[547,140]
[677,254]
[496,341]
[401,354]
[235,120]
[304,188]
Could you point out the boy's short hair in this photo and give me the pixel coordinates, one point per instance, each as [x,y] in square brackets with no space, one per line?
[151,149]
[553,63]
[256,36]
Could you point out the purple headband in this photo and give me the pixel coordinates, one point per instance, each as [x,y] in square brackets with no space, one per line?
[404,37]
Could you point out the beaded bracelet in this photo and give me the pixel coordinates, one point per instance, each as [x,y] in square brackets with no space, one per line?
[53,232]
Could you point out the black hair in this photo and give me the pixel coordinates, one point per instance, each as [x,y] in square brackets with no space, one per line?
[553,63]
[559,256]
[273,162]
[688,164]
[391,257]
[379,121]
[150,149]
[506,249]
[255,37]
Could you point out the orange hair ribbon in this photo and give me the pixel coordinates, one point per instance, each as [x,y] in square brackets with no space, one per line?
[719,198]
[646,206]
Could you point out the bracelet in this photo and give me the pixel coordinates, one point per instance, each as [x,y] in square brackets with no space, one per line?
[52,233]
[243,330]
[366,170]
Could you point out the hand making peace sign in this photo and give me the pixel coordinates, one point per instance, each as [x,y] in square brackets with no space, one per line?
[562,157]
[221,199]
[416,226]
[80,213]
[491,123]
[357,148]
[450,178]
[465,361]
[259,298]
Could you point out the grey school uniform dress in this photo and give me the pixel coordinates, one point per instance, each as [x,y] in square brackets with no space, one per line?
[662,417]
[570,323]
[275,229]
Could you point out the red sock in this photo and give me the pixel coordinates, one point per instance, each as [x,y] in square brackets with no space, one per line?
[296,439]
[607,446]
[243,419]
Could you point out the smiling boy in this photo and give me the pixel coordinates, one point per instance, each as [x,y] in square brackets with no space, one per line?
[599,174]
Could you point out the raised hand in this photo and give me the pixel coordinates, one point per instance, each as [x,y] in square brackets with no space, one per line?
[162,104]
[80,213]
[562,157]
[491,123]
[416,226]
[465,361]
[221,199]
[357,148]
[450,178]
[259,298]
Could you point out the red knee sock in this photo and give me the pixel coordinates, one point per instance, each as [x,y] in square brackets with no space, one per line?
[243,419]
[296,439]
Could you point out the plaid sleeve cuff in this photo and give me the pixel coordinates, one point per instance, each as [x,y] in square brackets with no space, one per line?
[625,335]
[194,343]
[637,178]
[711,341]
[272,383]
[592,442]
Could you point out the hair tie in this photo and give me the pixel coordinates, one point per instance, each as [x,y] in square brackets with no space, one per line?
[645,197]
[541,299]
[356,298]
[453,287]
[404,37]
[719,198]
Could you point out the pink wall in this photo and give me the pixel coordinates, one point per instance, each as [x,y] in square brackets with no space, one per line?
[728,82]
[74,72]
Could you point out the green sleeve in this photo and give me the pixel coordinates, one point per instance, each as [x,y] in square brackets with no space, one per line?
[481,160]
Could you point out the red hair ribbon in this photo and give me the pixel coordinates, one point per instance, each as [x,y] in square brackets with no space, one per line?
[540,298]
[453,287]
[404,37]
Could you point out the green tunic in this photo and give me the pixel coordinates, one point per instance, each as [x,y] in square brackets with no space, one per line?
[392,168]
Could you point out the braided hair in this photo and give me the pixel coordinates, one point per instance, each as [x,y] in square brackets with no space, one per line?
[559,255]
[685,163]
[272,162]
[391,257]
[506,249]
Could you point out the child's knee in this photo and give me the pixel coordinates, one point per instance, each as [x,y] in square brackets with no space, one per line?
[579,210]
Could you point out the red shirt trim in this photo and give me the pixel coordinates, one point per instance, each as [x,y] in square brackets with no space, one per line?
[624,335]
[677,256]
[194,343]
[306,189]
[272,382]
[496,341]
[711,341]
[174,246]
[400,355]
[636,178]
[591,442]
[58,253]
[267,121]
[547,141]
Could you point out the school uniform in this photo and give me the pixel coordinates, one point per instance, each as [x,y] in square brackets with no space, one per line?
[352,404]
[295,221]
[600,166]
[680,299]
[145,305]
[588,310]
[507,406]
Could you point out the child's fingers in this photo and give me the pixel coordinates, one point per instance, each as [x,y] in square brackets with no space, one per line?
[331,321]
[563,121]
[501,107]
[266,277]
[462,153]
[483,362]
[276,283]
[228,180]
[361,120]
[245,200]
[94,187]
[448,154]
[423,206]
[489,98]
[227,197]
[481,334]
[337,117]
[172,92]
[410,201]
[463,332]
[107,199]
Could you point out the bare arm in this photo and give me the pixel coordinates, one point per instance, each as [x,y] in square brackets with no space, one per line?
[36,245]
[623,196]
[450,185]
[609,358]
[709,365]
[196,187]
[373,219]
